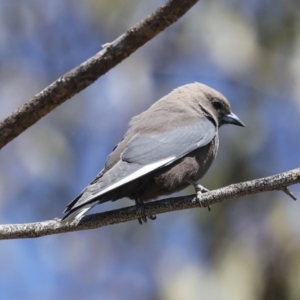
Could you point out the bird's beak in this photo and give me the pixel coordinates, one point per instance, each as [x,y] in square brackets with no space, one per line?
[232,119]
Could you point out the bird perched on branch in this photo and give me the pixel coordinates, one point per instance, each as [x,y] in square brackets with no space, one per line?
[166,148]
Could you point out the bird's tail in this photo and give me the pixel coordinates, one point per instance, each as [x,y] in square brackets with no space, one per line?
[75,215]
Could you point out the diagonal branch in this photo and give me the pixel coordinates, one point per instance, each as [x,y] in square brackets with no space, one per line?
[271,183]
[88,72]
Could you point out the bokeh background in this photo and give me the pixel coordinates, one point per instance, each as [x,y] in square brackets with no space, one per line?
[243,249]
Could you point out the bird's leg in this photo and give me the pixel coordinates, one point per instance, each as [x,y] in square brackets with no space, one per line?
[199,189]
[143,219]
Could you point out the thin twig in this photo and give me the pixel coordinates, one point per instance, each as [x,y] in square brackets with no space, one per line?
[275,182]
[289,193]
[88,72]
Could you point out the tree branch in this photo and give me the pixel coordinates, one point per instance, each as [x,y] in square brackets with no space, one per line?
[88,72]
[272,183]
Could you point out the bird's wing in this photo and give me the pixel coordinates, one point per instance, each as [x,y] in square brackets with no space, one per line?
[145,153]
[145,149]
[119,175]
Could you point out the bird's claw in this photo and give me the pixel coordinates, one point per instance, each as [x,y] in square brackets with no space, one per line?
[144,218]
[200,190]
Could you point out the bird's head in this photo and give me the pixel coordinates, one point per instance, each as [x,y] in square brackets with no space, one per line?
[223,111]
[217,106]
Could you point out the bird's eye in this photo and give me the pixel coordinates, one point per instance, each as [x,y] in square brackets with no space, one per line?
[217,105]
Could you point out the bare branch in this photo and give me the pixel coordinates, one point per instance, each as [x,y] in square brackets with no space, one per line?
[272,183]
[88,72]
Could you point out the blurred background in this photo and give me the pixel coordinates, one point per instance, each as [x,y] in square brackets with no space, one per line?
[247,248]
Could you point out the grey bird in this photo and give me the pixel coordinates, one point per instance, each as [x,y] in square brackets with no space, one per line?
[166,148]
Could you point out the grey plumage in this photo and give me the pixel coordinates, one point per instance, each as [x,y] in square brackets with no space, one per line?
[166,147]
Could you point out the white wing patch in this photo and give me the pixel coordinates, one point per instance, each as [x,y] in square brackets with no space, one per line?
[75,217]
[142,171]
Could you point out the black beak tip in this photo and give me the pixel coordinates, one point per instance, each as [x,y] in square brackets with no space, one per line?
[240,123]
[233,119]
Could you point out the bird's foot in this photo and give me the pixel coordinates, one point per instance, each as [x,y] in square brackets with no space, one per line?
[144,218]
[200,190]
